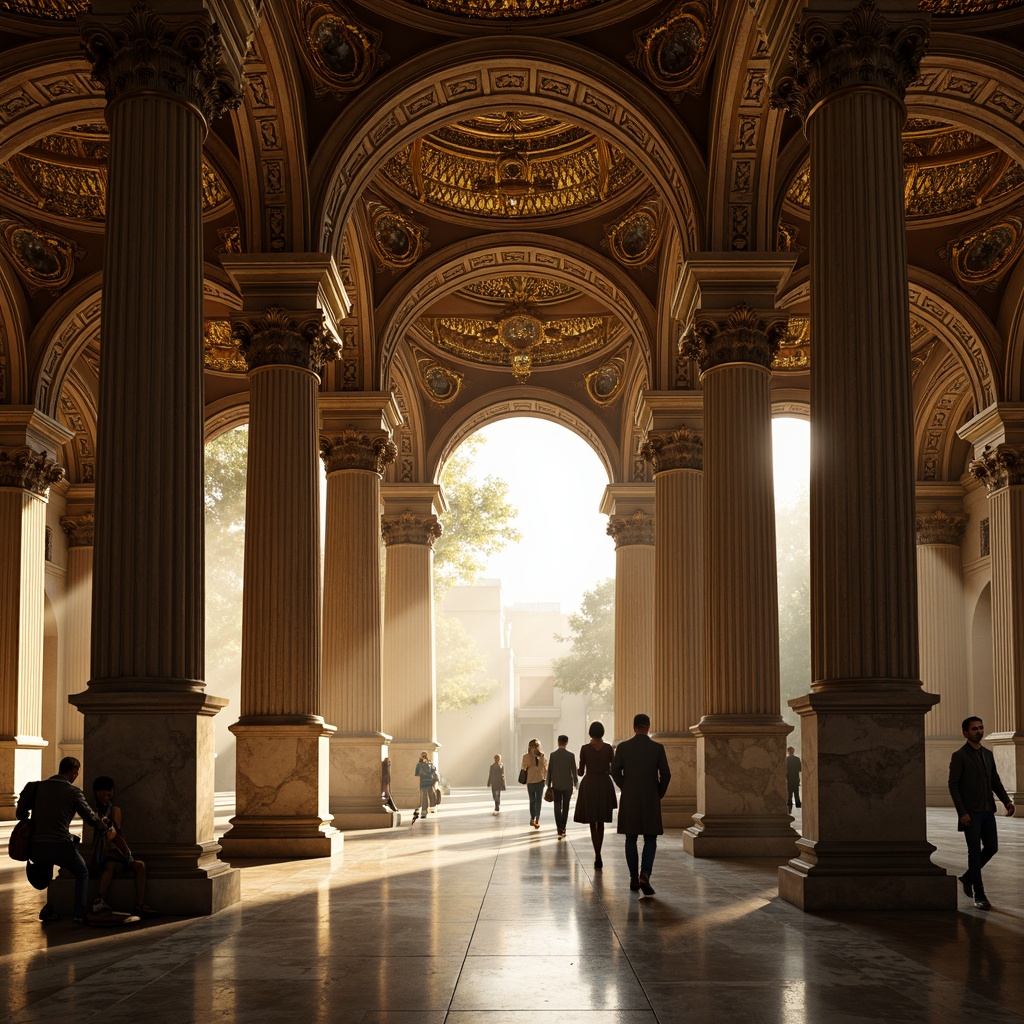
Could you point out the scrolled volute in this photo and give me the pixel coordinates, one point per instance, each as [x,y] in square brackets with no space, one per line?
[31,471]
[636,528]
[743,336]
[79,530]
[410,528]
[940,528]
[681,448]
[999,467]
[355,449]
[280,337]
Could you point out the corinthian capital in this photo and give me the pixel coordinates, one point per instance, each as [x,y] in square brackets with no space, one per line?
[29,470]
[940,528]
[681,448]
[409,528]
[180,56]
[636,528]
[281,337]
[80,530]
[999,467]
[355,449]
[865,49]
[740,336]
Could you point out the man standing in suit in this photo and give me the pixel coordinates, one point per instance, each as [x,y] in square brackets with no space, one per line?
[563,779]
[640,770]
[972,780]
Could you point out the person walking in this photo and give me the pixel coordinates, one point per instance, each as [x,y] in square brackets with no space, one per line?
[562,779]
[425,772]
[536,765]
[385,784]
[496,780]
[596,798]
[640,770]
[972,781]
[792,779]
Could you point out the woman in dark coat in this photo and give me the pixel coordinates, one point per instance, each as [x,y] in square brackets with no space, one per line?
[596,799]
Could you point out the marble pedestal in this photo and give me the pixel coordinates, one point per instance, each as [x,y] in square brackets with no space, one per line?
[21,761]
[741,789]
[679,804]
[936,770]
[281,796]
[405,787]
[355,783]
[1008,750]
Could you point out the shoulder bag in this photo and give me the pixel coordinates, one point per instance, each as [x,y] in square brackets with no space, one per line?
[522,776]
[21,836]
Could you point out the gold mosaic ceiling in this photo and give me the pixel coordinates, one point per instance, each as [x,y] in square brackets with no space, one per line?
[949,171]
[49,10]
[511,164]
[65,174]
[958,8]
[505,8]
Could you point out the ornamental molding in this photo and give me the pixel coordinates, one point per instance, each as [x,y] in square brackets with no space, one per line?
[352,448]
[743,336]
[865,50]
[182,57]
[999,467]
[940,528]
[31,471]
[409,528]
[281,337]
[80,530]
[681,448]
[636,528]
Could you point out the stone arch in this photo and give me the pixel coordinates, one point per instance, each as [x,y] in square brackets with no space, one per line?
[523,400]
[225,414]
[77,410]
[944,406]
[13,354]
[408,466]
[1011,324]
[530,73]
[557,259]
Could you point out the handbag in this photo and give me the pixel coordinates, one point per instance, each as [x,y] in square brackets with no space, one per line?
[437,793]
[522,776]
[549,795]
[17,845]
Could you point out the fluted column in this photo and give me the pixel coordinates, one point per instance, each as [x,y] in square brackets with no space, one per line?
[29,444]
[167,70]
[410,526]
[79,526]
[741,736]
[865,842]
[943,634]
[282,751]
[356,447]
[998,437]
[675,450]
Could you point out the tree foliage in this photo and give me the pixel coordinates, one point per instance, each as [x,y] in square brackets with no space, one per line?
[589,668]
[793,553]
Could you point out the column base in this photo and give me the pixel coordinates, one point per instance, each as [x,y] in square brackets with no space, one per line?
[679,804]
[405,754]
[356,788]
[21,762]
[744,836]
[936,770]
[1008,750]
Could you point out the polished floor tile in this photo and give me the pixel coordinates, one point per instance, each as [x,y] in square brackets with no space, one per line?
[471,918]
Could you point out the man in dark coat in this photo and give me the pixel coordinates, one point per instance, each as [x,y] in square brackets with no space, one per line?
[640,770]
[563,779]
[972,780]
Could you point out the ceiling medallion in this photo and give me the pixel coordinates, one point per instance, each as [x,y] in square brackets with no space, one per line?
[341,53]
[794,352]
[513,180]
[674,52]
[981,258]
[438,383]
[397,240]
[506,9]
[41,258]
[634,239]
[220,349]
[605,383]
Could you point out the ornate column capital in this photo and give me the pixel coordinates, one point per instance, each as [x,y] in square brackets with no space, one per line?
[636,528]
[352,448]
[410,528]
[179,56]
[29,470]
[940,528]
[864,49]
[282,337]
[741,335]
[681,448]
[80,530]
[999,467]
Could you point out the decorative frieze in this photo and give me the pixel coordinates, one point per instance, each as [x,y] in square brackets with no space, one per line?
[29,470]
[636,528]
[354,449]
[80,530]
[281,337]
[743,336]
[940,528]
[678,449]
[182,58]
[409,528]
[865,50]
[999,467]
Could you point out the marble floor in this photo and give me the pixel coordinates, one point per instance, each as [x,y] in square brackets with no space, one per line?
[468,918]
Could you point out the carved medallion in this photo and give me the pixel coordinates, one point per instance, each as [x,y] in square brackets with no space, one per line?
[41,258]
[982,257]
[605,383]
[674,52]
[342,54]
[634,239]
[397,240]
[440,385]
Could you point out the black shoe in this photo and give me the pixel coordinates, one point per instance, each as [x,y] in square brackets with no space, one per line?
[981,902]
[634,885]
[645,885]
[415,815]
[598,863]
[967,885]
[48,914]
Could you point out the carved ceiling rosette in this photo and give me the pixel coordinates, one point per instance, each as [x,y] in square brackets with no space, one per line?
[397,240]
[864,50]
[634,239]
[674,52]
[341,53]
[409,528]
[604,384]
[636,528]
[681,448]
[940,528]
[279,337]
[981,258]
[743,336]
[999,467]
[355,449]
[43,260]
[182,58]
[80,530]
[31,471]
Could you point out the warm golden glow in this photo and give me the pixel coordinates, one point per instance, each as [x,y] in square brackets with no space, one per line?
[505,8]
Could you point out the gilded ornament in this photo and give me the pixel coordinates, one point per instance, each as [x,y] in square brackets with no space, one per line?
[409,528]
[47,10]
[636,528]
[675,51]
[787,238]
[355,449]
[999,467]
[397,240]
[604,384]
[681,448]
[634,239]
[440,384]
[220,349]
[80,530]
[29,470]
[41,258]
[743,336]
[342,53]
[278,337]
[966,8]
[794,351]
[982,257]
[502,290]
[506,9]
